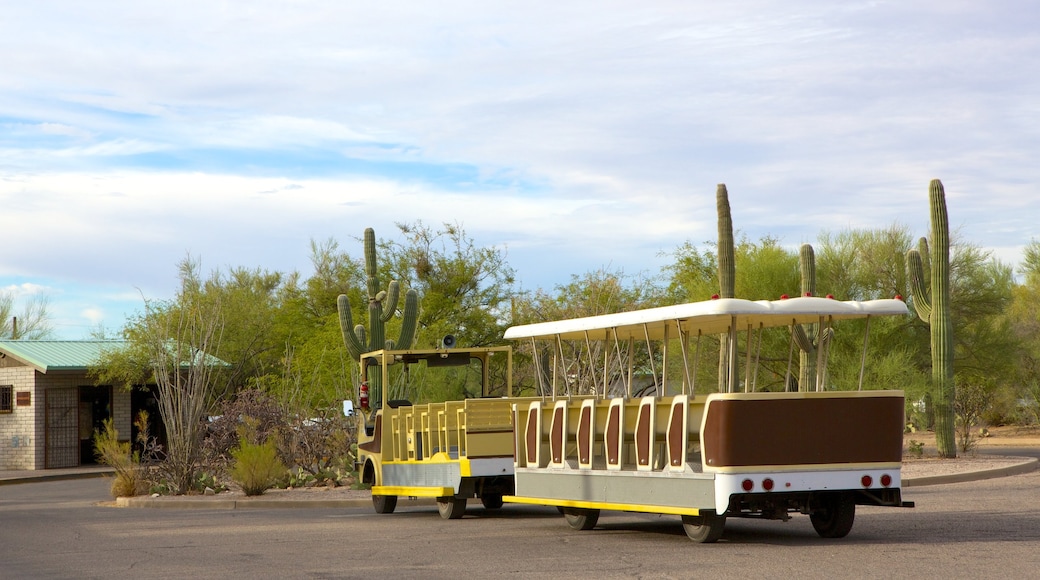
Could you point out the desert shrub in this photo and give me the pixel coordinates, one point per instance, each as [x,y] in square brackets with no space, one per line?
[319,447]
[129,479]
[972,399]
[223,431]
[255,467]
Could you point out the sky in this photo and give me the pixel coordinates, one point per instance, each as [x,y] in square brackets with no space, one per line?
[574,136]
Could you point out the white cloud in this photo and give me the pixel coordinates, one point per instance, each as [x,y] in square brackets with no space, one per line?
[579,134]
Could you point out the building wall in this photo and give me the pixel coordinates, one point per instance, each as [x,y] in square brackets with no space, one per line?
[18,434]
[23,438]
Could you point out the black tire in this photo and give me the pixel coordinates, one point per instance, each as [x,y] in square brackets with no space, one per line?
[581,519]
[384,504]
[834,515]
[491,501]
[451,508]
[704,529]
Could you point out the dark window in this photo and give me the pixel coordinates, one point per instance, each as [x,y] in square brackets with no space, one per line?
[6,399]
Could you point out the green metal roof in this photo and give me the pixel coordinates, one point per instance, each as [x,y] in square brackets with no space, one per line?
[58,355]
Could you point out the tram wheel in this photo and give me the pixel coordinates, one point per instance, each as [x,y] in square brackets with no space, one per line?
[451,508]
[704,529]
[834,516]
[491,501]
[384,504]
[580,518]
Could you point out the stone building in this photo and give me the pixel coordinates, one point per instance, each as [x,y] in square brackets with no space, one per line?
[50,407]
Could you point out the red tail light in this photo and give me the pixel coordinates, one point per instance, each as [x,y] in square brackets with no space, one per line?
[866,480]
[767,484]
[747,485]
[886,480]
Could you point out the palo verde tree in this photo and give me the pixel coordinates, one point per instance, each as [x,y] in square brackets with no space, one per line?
[31,323]
[591,294]
[466,292]
[170,345]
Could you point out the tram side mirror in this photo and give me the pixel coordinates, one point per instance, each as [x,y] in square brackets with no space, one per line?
[448,341]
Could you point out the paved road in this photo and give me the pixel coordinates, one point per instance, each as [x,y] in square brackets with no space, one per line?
[986,529]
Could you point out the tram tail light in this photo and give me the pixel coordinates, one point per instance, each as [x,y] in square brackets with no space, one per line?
[747,485]
[886,480]
[767,484]
[866,480]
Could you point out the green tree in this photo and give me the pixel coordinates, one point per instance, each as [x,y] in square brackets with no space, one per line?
[591,294]
[465,289]
[315,371]
[171,345]
[32,322]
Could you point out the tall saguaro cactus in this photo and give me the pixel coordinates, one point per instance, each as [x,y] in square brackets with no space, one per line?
[932,304]
[727,277]
[382,304]
[808,337]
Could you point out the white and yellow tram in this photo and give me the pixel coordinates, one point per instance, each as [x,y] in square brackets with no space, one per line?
[704,456]
[449,450]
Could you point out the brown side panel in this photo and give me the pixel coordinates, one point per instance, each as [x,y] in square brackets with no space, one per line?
[373,446]
[611,435]
[643,428]
[585,435]
[745,432]
[676,452]
[556,436]
[533,437]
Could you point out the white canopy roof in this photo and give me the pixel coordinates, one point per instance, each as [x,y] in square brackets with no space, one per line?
[709,317]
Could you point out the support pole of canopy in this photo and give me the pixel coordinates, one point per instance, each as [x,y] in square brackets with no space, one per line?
[696,364]
[631,362]
[557,357]
[731,360]
[863,360]
[620,361]
[592,362]
[664,362]
[684,338]
[758,358]
[790,358]
[650,357]
[747,362]
[538,368]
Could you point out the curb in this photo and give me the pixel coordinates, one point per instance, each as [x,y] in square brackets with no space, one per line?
[54,477]
[1026,466]
[254,503]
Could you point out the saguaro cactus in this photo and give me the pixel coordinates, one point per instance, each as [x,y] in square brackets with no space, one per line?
[932,304]
[381,307]
[808,336]
[727,280]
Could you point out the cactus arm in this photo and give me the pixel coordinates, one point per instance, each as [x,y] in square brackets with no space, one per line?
[409,320]
[389,300]
[802,341]
[918,292]
[362,335]
[346,324]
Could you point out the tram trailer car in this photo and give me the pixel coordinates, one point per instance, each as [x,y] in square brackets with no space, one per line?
[708,457]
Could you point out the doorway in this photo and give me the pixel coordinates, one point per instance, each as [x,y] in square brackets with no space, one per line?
[95,406]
